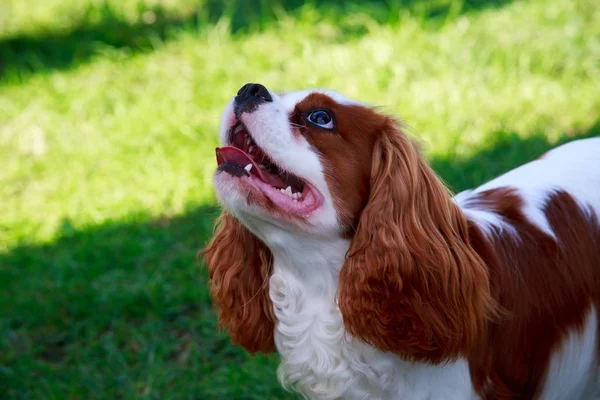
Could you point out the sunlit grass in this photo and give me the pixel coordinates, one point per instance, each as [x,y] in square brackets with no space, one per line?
[107,133]
[130,133]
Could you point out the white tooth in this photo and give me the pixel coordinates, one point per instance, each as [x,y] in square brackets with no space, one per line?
[248,167]
[262,166]
[248,141]
[250,149]
[288,191]
[239,128]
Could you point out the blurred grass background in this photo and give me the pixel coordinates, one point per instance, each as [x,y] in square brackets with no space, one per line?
[108,118]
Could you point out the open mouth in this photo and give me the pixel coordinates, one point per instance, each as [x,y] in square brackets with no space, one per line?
[244,158]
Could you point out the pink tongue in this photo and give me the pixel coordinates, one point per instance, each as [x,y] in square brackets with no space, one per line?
[234,155]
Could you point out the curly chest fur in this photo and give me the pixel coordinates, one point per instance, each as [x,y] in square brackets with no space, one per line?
[319,360]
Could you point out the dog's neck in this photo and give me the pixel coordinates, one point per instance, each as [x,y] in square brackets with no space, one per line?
[312,261]
[315,353]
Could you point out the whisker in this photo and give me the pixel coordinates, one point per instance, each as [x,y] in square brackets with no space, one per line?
[298,125]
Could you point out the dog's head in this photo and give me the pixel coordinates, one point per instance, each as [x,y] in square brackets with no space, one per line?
[299,161]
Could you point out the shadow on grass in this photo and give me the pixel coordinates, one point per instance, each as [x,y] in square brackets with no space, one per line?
[102,28]
[121,311]
[101,311]
[506,152]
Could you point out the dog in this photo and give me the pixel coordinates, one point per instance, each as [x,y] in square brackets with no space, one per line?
[341,249]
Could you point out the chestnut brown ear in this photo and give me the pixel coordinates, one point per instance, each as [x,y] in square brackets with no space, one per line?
[412,284]
[239,268]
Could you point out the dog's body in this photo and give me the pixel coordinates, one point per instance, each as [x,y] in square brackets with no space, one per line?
[373,283]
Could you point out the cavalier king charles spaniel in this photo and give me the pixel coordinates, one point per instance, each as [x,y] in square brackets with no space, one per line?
[341,249]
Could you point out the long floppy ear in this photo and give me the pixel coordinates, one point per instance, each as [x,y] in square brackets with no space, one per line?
[239,267]
[411,283]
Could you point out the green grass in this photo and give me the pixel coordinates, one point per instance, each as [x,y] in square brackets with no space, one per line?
[108,120]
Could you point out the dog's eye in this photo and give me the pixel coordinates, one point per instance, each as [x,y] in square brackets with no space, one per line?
[321,118]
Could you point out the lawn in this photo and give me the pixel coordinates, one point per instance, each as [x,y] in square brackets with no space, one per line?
[108,118]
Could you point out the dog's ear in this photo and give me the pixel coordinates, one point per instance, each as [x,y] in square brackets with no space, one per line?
[412,284]
[239,267]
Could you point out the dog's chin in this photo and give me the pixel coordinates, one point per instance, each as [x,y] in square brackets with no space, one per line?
[243,194]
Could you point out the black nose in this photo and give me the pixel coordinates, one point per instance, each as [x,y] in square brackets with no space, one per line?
[249,97]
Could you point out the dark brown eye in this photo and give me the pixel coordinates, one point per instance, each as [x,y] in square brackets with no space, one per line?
[321,118]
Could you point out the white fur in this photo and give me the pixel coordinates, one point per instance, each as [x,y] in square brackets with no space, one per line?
[573,167]
[488,221]
[317,357]
[573,372]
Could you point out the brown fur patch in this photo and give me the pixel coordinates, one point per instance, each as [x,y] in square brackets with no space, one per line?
[546,287]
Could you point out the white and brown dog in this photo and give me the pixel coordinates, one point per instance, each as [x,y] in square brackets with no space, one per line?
[341,249]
